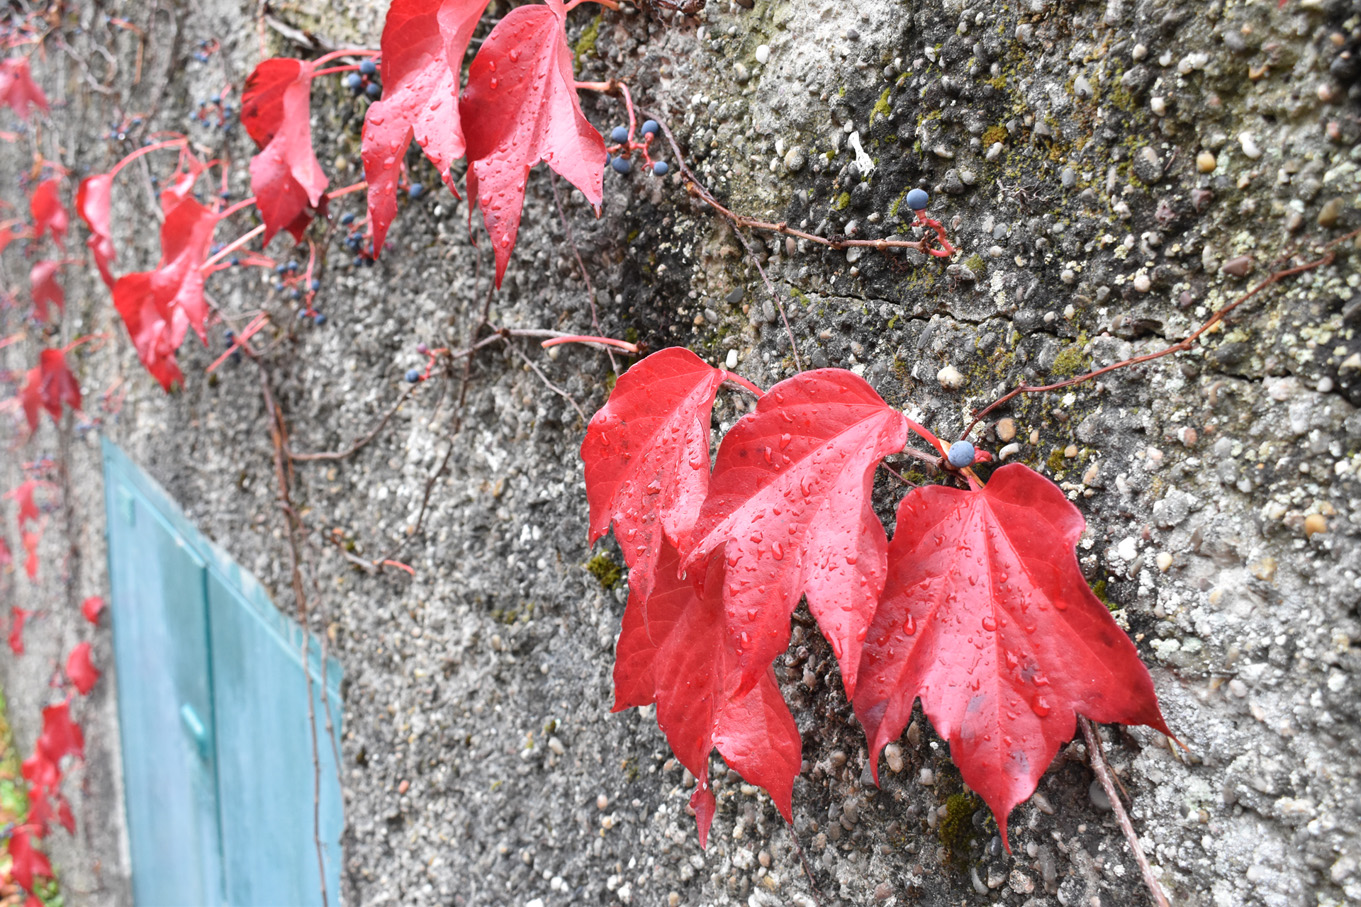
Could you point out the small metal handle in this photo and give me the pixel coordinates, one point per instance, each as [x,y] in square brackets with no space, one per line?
[194,725]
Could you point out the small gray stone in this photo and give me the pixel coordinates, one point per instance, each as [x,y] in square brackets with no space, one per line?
[1068,177]
[795,159]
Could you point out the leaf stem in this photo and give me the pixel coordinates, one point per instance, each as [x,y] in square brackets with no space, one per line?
[244,203]
[743,383]
[343,52]
[145,150]
[232,247]
[585,338]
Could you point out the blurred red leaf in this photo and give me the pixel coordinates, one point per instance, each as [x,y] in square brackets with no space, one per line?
[94,199]
[49,386]
[23,495]
[520,107]
[18,91]
[288,183]
[987,618]
[26,863]
[91,608]
[17,616]
[30,540]
[424,42]
[49,216]
[42,278]
[81,669]
[61,736]
[790,500]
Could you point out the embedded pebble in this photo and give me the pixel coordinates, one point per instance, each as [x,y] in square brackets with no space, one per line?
[927,777]
[1164,561]
[893,754]
[1315,523]
[1006,429]
[1142,283]
[1238,267]
[795,159]
[731,361]
[1330,213]
[950,378]
[1248,142]
[762,54]
[1205,162]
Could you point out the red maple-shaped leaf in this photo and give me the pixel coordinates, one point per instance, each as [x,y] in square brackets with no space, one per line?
[17,616]
[790,500]
[91,608]
[65,816]
[81,669]
[675,649]
[9,234]
[646,455]
[26,864]
[42,279]
[94,199]
[40,772]
[61,736]
[287,181]
[423,46]
[49,216]
[17,88]
[159,306]
[49,386]
[987,618]
[521,107]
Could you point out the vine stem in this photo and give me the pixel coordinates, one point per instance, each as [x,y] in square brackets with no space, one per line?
[145,150]
[1329,254]
[233,246]
[1097,757]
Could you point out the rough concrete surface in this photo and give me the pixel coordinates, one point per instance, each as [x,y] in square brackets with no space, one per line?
[1111,172]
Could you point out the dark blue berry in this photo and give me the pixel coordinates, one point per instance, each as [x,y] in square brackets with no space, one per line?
[215,99]
[917,199]
[354,81]
[373,90]
[621,165]
[961,453]
[620,134]
[416,190]
[302,313]
[413,375]
[315,284]
[295,294]
[348,218]
[319,319]
[281,268]
[293,266]
[368,67]
[661,168]
[650,127]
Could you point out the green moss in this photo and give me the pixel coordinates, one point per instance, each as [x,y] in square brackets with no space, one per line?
[631,769]
[994,134]
[586,43]
[606,570]
[976,264]
[1055,461]
[881,108]
[1099,590]
[1071,360]
[842,201]
[956,830]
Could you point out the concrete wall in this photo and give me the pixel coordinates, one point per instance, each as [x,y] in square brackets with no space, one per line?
[1097,164]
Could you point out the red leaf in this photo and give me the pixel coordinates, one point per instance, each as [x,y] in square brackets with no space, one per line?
[65,816]
[49,386]
[181,185]
[675,649]
[17,89]
[61,736]
[424,42]
[26,863]
[790,497]
[40,808]
[987,617]
[6,558]
[42,773]
[93,201]
[8,234]
[159,306]
[520,107]
[17,616]
[45,289]
[47,211]
[91,608]
[23,494]
[81,669]
[287,180]
[646,455]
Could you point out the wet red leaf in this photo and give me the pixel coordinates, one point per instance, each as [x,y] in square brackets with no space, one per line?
[424,42]
[91,608]
[81,669]
[520,107]
[94,199]
[987,618]
[646,455]
[287,180]
[789,505]
[47,211]
[18,91]
[675,650]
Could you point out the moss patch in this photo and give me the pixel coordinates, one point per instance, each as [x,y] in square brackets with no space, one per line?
[994,134]
[606,570]
[956,830]
[586,43]
[881,108]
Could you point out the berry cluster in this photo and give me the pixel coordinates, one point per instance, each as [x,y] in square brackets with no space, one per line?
[365,81]
[618,155]
[416,375]
[214,114]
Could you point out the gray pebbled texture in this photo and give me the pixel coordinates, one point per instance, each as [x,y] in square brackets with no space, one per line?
[1105,170]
